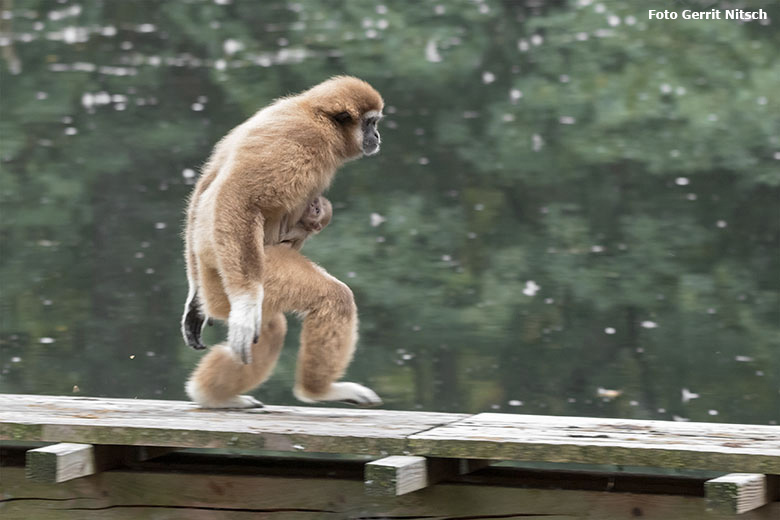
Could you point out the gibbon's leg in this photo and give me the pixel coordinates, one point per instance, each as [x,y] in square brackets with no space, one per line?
[220,378]
[212,295]
[193,319]
[238,231]
[329,333]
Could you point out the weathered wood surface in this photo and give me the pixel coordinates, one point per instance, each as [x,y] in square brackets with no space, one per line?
[738,492]
[138,422]
[399,474]
[158,495]
[662,444]
[724,447]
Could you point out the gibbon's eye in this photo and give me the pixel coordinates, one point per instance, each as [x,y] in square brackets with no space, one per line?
[342,117]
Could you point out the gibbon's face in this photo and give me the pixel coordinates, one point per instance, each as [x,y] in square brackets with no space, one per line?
[364,131]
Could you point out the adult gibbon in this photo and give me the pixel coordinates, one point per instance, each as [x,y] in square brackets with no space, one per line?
[265,172]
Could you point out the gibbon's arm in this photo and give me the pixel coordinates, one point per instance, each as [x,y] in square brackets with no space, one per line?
[238,230]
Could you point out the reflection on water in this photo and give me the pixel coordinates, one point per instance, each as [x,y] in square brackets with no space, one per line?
[574,211]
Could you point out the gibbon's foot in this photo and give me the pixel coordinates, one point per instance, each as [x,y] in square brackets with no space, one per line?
[351,393]
[192,325]
[239,401]
[205,401]
[244,327]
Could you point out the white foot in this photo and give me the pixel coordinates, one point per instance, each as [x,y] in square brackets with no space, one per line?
[246,314]
[351,393]
[239,401]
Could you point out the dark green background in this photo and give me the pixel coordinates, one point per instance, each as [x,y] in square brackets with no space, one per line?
[628,168]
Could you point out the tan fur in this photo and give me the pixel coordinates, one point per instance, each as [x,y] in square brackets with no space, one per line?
[260,176]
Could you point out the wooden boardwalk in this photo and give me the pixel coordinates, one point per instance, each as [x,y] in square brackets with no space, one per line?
[417,437]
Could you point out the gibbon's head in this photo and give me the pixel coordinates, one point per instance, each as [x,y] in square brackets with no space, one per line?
[353,108]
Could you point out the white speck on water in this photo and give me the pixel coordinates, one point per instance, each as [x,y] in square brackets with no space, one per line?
[126,45]
[220,64]
[743,359]
[596,249]
[531,288]
[407,357]
[777,156]
[382,24]
[522,45]
[647,324]
[149,271]
[188,173]
[223,2]
[423,161]
[610,330]
[471,235]
[679,419]
[197,107]
[537,142]
[691,196]
[160,225]
[46,341]
[613,20]
[584,3]
[71,131]
[488,77]
[599,8]
[662,410]
[484,9]
[508,118]
[674,153]
[440,10]
[351,274]
[108,31]
[515,402]
[713,412]
[149,353]
[680,91]
[712,117]
[139,255]
[711,311]
[564,78]
[567,120]
[537,39]
[666,88]
[446,258]
[380,240]
[132,356]
[549,301]
[515,94]
[608,393]
[630,20]
[16,359]
[687,395]
[634,403]
[479,207]
[231,46]
[759,373]
[47,302]
[416,328]
[146,28]
[41,95]
[381,9]
[494,407]
[762,100]
[721,224]
[377,219]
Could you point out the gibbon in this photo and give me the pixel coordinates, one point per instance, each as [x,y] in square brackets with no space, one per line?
[262,174]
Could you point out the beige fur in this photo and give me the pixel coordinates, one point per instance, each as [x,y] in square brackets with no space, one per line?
[265,173]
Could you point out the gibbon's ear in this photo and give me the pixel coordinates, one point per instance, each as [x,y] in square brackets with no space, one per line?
[343,118]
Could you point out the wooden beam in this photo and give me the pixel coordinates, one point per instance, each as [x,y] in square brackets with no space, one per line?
[399,474]
[737,493]
[60,462]
[67,461]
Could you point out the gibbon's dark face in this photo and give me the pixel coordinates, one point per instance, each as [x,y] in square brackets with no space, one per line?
[363,131]
[371,138]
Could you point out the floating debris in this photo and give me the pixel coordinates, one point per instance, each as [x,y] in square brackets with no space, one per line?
[687,395]
[607,393]
[531,288]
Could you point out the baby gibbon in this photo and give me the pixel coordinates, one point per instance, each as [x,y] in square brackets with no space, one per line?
[317,215]
[265,172]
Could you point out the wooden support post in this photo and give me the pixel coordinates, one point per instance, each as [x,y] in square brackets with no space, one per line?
[60,462]
[737,493]
[398,475]
[66,461]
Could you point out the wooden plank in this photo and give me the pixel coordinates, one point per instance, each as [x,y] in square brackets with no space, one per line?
[399,474]
[139,422]
[60,462]
[396,475]
[737,492]
[129,495]
[662,444]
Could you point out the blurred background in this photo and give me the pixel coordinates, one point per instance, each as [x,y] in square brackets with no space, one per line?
[574,212]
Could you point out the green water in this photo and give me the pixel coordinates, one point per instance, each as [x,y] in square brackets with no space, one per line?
[575,210]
